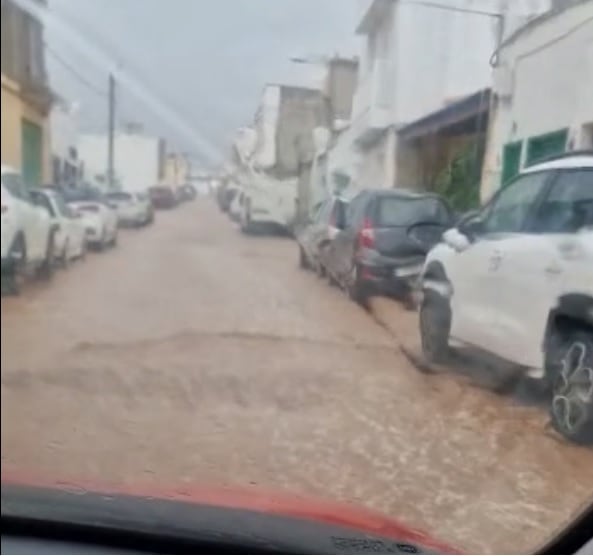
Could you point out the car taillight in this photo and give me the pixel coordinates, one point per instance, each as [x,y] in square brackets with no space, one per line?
[366,236]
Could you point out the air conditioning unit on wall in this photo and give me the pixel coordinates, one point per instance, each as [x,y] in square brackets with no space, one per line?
[503,82]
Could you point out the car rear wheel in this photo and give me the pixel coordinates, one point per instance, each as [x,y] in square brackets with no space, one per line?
[46,270]
[435,327]
[303,261]
[356,289]
[65,257]
[18,265]
[571,409]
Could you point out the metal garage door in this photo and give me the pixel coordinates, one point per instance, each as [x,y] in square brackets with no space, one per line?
[31,154]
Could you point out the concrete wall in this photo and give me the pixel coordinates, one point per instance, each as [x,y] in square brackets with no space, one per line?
[137,159]
[540,100]
[340,85]
[14,109]
[301,111]
[266,121]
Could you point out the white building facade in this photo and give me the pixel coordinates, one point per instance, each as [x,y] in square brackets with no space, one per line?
[543,82]
[417,58]
[139,159]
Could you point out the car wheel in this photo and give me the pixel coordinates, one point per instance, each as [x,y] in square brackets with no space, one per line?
[64,257]
[245,220]
[303,261]
[355,288]
[435,327]
[321,271]
[83,250]
[16,274]
[571,409]
[113,242]
[46,270]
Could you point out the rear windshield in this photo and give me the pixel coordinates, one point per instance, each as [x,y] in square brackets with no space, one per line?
[160,190]
[79,194]
[119,196]
[396,211]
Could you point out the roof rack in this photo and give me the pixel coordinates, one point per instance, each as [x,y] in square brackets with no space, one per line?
[567,154]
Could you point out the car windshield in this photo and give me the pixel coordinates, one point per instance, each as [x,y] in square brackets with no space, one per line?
[311,251]
[400,211]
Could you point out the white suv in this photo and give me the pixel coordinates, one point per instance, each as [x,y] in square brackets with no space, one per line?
[516,280]
[27,231]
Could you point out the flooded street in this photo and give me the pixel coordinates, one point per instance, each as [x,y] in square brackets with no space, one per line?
[192,354]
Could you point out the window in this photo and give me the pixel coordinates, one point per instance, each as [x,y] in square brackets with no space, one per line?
[63,208]
[511,161]
[399,211]
[508,212]
[14,184]
[544,146]
[356,211]
[569,206]
[42,200]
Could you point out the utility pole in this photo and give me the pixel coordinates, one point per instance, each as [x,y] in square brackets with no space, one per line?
[111,135]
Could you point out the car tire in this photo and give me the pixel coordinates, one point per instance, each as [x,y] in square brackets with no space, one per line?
[64,258]
[113,242]
[46,270]
[18,255]
[435,327]
[245,220]
[571,408]
[83,250]
[321,271]
[356,289]
[303,261]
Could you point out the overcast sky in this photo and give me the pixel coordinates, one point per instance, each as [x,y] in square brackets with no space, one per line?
[206,59]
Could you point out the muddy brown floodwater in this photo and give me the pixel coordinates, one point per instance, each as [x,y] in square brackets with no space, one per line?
[193,354]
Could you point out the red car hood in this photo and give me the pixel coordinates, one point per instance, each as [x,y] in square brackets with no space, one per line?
[250,499]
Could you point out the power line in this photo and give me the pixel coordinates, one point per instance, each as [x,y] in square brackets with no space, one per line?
[452,8]
[74,72]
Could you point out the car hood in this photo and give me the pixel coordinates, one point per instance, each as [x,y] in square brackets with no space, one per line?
[20,490]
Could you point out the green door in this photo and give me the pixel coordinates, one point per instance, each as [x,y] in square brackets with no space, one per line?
[31,153]
[511,161]
[543,146]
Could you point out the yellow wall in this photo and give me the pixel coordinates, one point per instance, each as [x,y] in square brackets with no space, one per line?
[14,109]
[176,170]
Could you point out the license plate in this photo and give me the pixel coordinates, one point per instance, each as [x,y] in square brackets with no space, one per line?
[406,271]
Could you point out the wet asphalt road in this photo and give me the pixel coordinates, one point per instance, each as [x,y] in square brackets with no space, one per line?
[191,354]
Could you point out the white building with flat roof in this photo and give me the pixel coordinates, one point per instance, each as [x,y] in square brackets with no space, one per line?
[417,58]
[543,83]
[139,159]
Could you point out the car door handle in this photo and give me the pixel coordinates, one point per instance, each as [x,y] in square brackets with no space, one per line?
[495,260]
[553,269]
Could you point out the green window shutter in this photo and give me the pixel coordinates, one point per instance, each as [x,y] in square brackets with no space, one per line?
[31,153]
[511,161]
[544,146]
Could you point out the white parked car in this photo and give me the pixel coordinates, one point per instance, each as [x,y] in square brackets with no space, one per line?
[99,219]
[516,280]
[28,238]
[70,234]
[132,209]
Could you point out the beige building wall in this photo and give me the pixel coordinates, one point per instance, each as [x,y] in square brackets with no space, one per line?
[14,109]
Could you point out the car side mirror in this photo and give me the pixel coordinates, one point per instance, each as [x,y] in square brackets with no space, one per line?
[457,240]
[471,225]
[426,234]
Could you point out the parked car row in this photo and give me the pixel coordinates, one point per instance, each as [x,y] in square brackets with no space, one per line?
[52,226]
[167,197]
[513,279]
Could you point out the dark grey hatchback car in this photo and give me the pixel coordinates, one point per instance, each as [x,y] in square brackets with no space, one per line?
[373,251]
